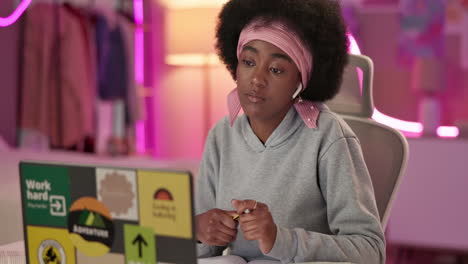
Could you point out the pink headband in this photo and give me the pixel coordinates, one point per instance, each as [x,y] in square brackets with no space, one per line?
[279,35]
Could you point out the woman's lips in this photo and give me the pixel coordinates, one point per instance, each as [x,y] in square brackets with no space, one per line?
[254,99]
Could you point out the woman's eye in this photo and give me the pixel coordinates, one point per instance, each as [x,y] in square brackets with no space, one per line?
[276,70]
[248,63]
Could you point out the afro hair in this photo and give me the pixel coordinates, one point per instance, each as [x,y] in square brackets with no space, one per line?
[318,23]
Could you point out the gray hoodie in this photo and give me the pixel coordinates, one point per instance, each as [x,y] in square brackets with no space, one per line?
[314,181]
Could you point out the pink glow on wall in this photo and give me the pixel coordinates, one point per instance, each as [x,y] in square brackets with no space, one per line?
[6,21]
[139,69]
[410,129]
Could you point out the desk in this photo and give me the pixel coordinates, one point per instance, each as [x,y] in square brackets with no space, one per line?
[431,207]
[14,253]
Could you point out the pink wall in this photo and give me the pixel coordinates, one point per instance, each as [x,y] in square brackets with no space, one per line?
[8,75]
[179,102]
[178,99]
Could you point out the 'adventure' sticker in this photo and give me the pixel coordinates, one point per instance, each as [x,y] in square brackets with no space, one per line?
[90,226]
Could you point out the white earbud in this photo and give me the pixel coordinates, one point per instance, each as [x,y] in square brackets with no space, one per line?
[298,91]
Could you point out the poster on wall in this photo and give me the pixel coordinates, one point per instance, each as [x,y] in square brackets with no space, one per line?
[422,29]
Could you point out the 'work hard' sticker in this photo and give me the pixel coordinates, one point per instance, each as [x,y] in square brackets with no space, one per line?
[90,226]
[46,194]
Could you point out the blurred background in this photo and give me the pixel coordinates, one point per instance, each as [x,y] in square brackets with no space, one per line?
[137,82]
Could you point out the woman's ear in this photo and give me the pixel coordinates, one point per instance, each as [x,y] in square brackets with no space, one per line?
[298,91]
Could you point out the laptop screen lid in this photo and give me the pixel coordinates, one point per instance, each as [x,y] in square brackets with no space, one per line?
[103,214]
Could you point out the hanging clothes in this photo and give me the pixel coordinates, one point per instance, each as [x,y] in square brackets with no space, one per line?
[58,89]
[115,44]
[112,63]
[113,81]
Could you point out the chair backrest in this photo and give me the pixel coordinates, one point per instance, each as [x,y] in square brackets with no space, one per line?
[355,95]
[385,149]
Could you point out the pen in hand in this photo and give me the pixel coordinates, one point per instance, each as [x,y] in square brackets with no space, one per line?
[246,211]
[236,217]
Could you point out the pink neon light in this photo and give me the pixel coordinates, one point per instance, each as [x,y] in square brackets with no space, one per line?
[410,129]
[353,46]
[139,69]
[6,21]
[139,41]
[448,131]
[139,56]
[138,11]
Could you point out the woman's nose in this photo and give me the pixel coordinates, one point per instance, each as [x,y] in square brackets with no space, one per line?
[258,78]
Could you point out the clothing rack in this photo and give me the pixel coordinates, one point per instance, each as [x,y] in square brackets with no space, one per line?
[119,5]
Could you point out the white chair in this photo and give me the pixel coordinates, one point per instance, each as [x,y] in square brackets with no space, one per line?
[385,149]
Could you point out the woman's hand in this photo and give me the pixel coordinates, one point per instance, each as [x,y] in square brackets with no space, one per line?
[257,224]
[216,227]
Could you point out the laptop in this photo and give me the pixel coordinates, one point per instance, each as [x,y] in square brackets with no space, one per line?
[98,214]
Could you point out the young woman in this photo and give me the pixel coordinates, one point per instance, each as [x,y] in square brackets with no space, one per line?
[292,169]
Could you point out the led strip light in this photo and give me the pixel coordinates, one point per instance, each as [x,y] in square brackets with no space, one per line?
[139,69]
[11,19]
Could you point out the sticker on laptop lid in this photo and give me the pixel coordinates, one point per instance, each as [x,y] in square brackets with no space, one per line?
[46,194]
[165,203]
[117,189]
[140,244]
[49,246]
[90,226]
